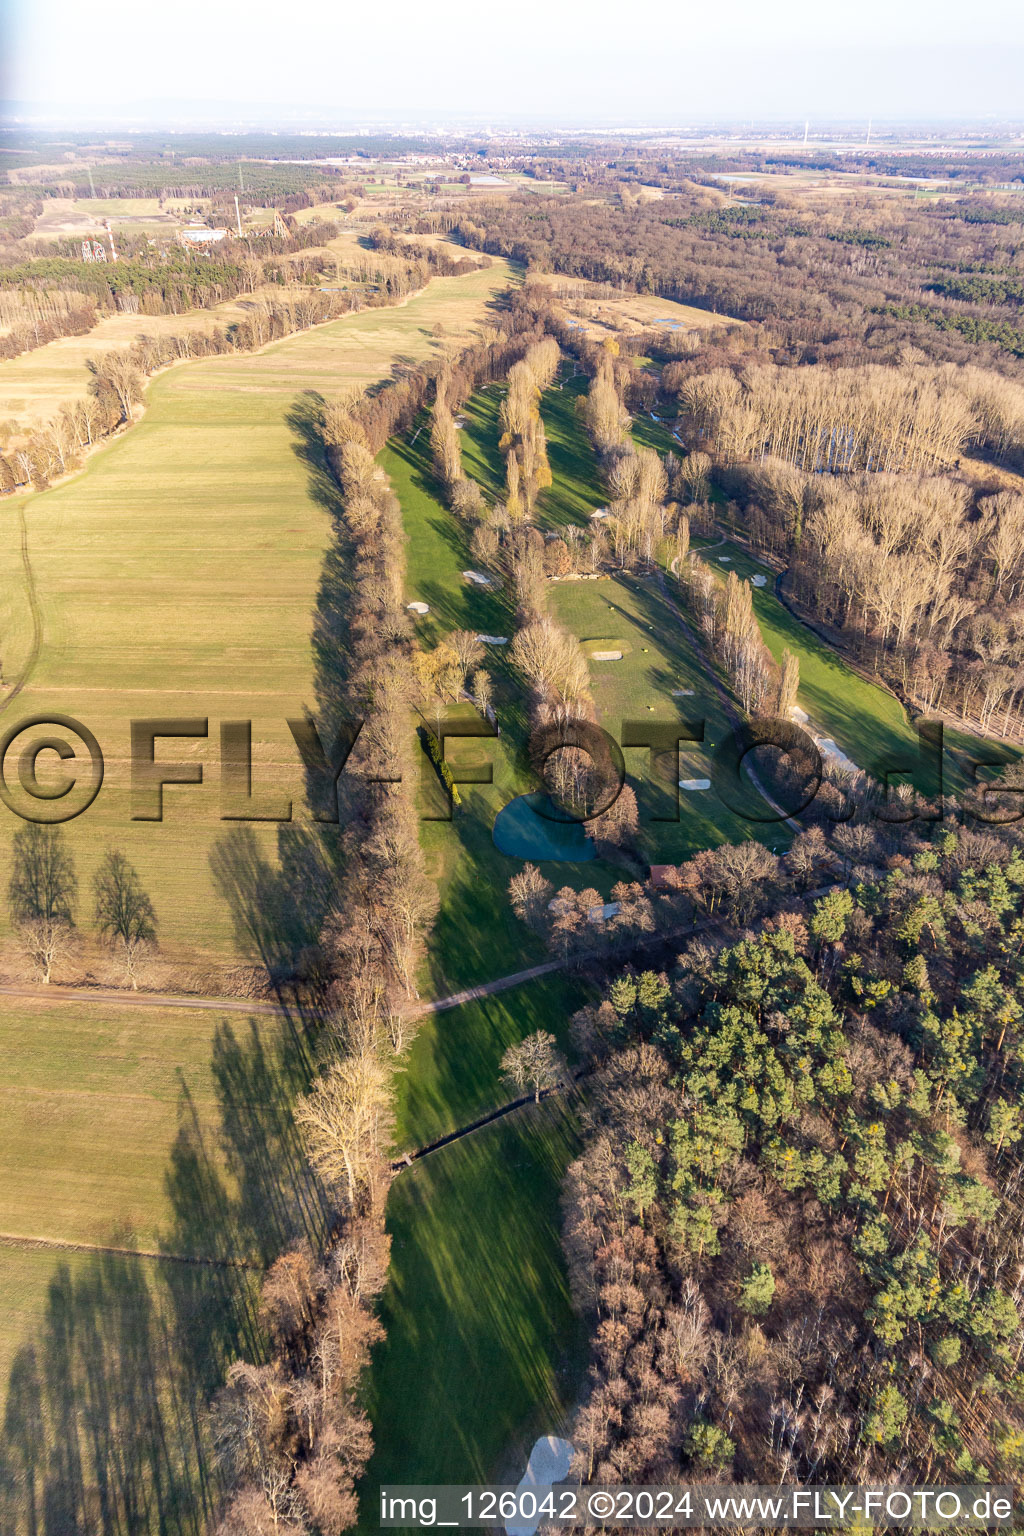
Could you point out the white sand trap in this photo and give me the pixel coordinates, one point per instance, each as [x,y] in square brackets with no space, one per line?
[694,783]
[548,1463]
[603,911]
[759,581]
[418,608]
[834,755]
[493,639]
[725,559]
[478,578]
[683,693]
[460,422]
[600,514]
[606,655]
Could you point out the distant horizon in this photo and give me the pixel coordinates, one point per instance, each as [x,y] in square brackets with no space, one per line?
[179,118]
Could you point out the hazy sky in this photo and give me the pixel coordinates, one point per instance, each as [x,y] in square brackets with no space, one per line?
[597,61]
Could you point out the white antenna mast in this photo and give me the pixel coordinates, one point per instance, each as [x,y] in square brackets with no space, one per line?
[806,127]
[867,141]
[238,217]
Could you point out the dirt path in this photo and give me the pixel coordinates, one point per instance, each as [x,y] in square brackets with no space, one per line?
[117,998]
[486,988]
[58,1245]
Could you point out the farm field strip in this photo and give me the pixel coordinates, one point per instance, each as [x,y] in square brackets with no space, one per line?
[178,575]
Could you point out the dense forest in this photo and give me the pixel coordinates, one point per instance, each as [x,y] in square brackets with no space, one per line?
[850,280]
[797,1223]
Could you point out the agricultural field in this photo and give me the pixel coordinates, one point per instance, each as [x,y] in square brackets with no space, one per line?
[34,386]
[178,575]
[131,1132]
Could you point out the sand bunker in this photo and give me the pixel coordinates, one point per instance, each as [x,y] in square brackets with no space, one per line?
[478,578]
[493,639]
[694,783]
[548,1463]
[683,693]
[606,655]
[835,755]
[418,608]
[759,581]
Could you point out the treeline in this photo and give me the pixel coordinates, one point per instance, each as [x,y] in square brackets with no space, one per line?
[837,281]
[639,519]
[920,577]
[725,613]
[31,319]
[797,1227]
[118,377]
[292,1433]
[381,238]
[184,176]
[172,279]
[836,420]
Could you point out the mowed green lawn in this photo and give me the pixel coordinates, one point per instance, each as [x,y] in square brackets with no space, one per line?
[867,722]
[483,1351]
[178,577]
[476,936]
[645,686]
[452,1074]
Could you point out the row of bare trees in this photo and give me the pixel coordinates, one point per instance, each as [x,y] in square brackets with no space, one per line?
[909,418]
[292,1433]
[527,471]
[118,377]
[918,574]
[726,615]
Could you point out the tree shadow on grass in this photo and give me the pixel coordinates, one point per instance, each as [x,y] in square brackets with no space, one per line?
[104,1431]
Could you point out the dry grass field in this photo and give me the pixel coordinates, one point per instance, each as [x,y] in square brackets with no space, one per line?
[626,312]
[177,577]
[149,1170]
[34,386]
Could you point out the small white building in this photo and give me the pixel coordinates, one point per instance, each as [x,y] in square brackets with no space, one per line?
[201,236]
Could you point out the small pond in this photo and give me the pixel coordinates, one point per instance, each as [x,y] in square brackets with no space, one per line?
[524,833]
